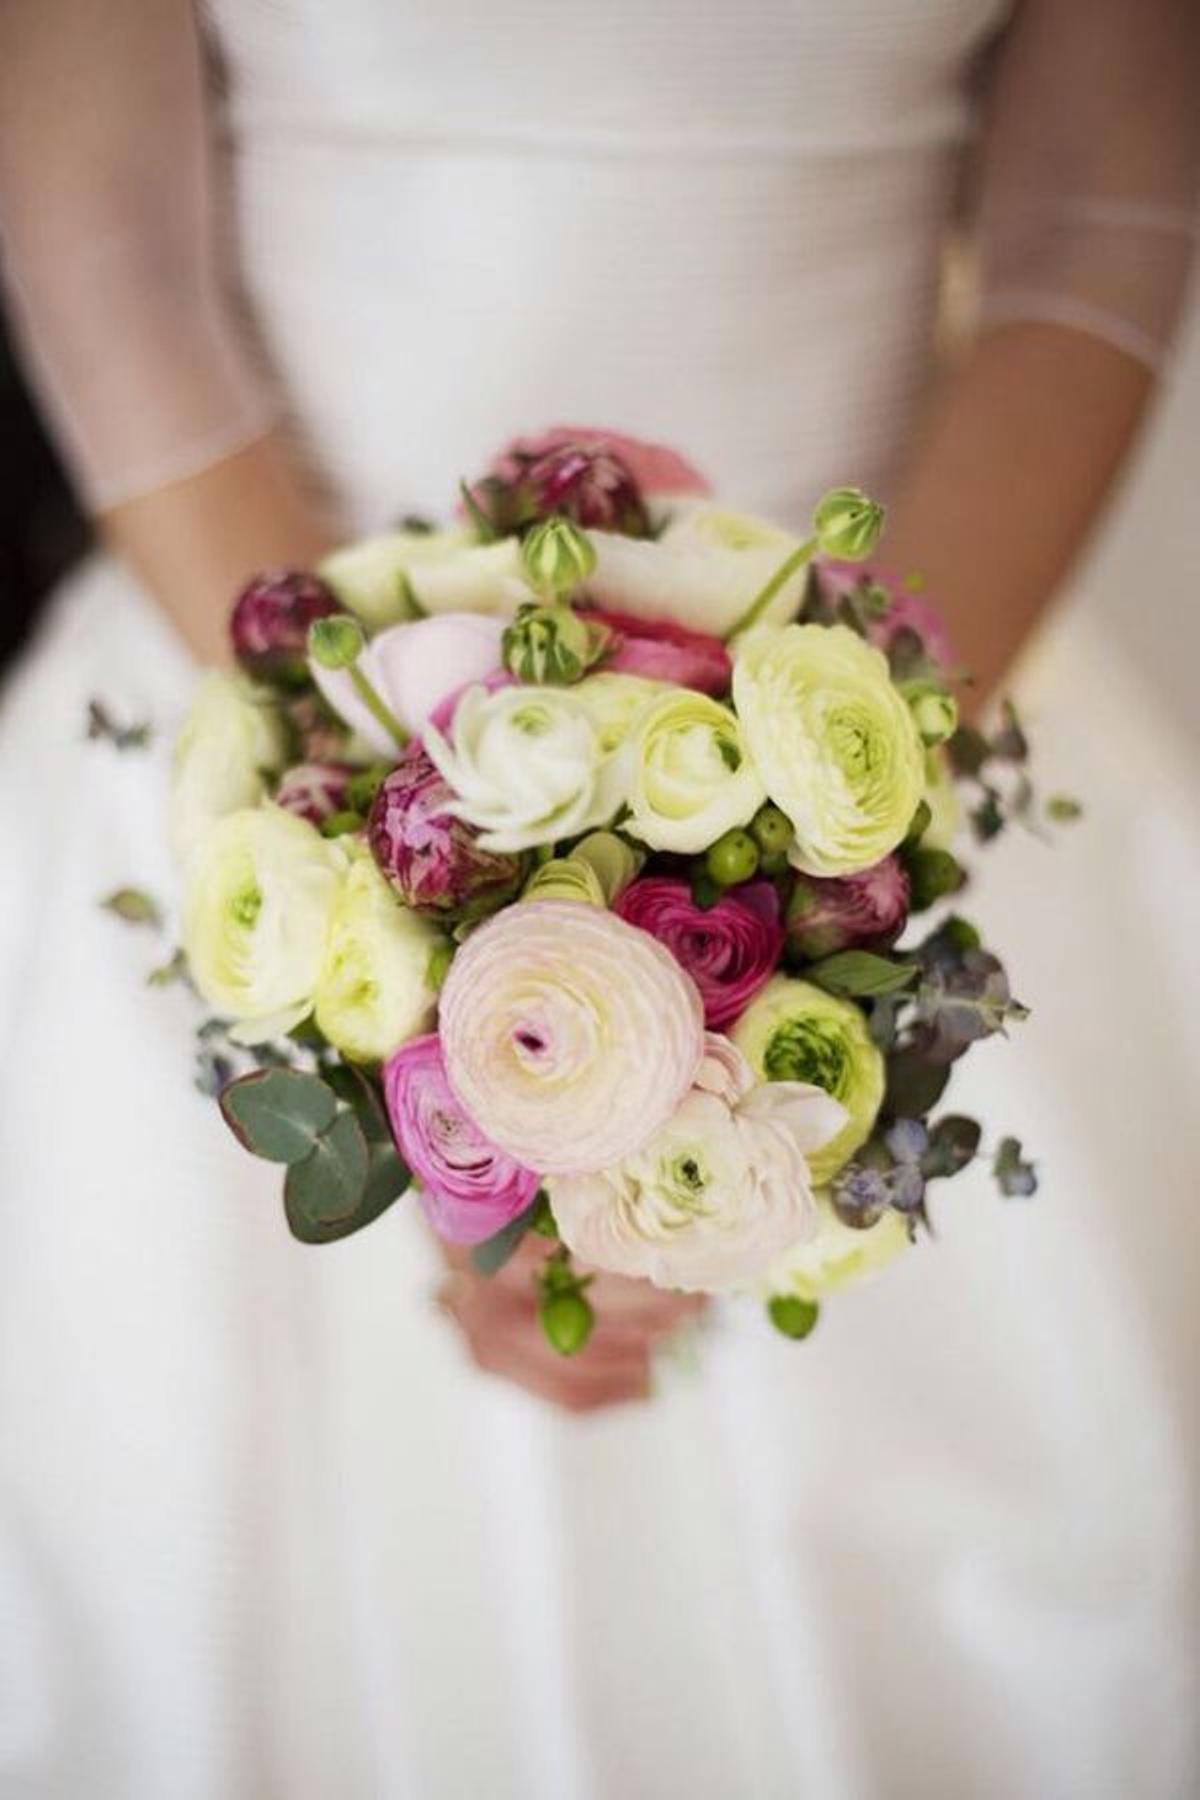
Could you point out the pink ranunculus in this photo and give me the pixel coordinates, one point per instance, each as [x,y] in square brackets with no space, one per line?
[663,651]
[469,1189]
[847,911]
[270,621]
[907,611]
[314,790]
[730,949]
[432,859]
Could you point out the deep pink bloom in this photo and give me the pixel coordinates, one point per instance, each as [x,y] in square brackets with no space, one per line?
[597,478]
[663,651]
[729,949]
[432,859]
[314,790]
[469,1189]
[656,468]
[270,621]
[907,612]
[847,911]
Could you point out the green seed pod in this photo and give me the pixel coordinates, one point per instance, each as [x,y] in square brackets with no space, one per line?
[336,642]
[550,645]
[732,859]
[557,556]
[847,524]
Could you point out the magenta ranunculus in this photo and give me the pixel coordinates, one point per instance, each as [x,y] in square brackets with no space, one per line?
[597,478]
[314,790]
[469,1189]
[270,621]
[729,949]
[432,859]
[847,911]
[662,651]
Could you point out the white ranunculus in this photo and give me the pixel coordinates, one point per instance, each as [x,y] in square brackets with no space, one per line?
[256,910]
[837,1255]
[703,572]
[715,1196]
[376,985]
[231,740]
[413,667]
[445,571]
[527,765]
[690,776]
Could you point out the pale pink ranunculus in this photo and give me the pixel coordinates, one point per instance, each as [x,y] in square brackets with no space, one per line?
[569,1036]
[469,1189]
[716,1194]
[663,651]
[414,667]
[729,949]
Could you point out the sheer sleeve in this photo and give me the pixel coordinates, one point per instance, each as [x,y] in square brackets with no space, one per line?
[110,252]
[1091,168]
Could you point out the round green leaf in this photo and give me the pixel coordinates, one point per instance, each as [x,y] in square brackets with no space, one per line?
[327,1186]
[278,1113]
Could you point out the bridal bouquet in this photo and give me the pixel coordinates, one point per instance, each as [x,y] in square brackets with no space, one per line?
[562,868]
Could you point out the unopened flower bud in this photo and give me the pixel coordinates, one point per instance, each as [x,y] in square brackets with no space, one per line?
[557,556]
[336,642]
[847,524]
[270,622]
[550,645]
[934,711]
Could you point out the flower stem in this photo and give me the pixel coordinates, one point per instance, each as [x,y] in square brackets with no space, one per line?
[796,560]
[381,713]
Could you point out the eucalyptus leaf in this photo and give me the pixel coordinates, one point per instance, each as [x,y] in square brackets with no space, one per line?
[914,1083]
[490,1256]
[860,974]
[968,751]
[325,1190]
[279,1114]
[953,1143]
[387,1179]
[1015,1177]
[360,1093]
[1063,809]
[134,905]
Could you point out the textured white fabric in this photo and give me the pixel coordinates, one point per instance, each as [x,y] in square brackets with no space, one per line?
[263,1531]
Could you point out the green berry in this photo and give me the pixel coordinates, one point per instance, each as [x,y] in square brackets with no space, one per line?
[792,1316]
[772,830]
[733,858]
[773,862]
[567,1321]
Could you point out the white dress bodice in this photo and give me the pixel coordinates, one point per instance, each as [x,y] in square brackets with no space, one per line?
[718,225]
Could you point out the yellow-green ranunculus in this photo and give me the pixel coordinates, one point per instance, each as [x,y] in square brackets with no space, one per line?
[597,871]
[837,1256]
[231,740]
[255,915]
[690,779]
[443,571]
[833,740]
[377,983]
[794,1031]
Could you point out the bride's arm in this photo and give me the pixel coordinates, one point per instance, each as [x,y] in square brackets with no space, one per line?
[113,270]
[1087,216]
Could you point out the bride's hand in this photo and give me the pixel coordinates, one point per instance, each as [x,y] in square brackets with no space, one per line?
[498,1316]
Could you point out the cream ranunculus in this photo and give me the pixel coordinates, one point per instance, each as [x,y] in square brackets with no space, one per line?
[444,571]
[615,702]
[256,911]
[703,572]
[527,765]
[231,741]
[837,1256]
[711,1200]
[377,985]
[690,777]
[794,1031]
[833,740]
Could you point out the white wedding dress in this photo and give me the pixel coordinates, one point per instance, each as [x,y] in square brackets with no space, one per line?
[264,1531]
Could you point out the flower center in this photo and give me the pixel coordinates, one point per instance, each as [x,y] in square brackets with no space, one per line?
[809,1050]
[246,905]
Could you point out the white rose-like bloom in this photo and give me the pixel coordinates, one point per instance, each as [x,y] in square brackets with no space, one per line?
[528,766]
[256,911]
[569,1036]
[837,1256]
[834,742]
[445,571]
[375,988]
[230,741]
[703,572]
[712,1199]
[690,777]
[413,667]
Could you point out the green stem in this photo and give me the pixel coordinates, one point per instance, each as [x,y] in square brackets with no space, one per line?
[375,706]
[800,555]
